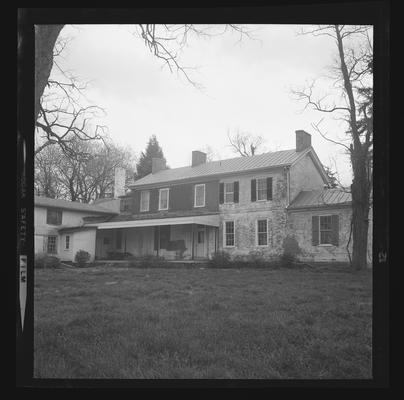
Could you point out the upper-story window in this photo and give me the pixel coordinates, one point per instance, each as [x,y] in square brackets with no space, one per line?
[261,189]
[163,199]
[125,204]
[229,192]
[144,200]
[199,200]
[53,217]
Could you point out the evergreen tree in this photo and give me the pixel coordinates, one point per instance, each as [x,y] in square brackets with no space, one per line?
[153,150]
[331,176]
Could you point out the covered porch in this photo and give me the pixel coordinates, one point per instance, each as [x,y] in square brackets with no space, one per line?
[181,238]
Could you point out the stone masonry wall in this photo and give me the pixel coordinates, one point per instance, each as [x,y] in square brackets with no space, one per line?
[304,176]
[246,213]
[300,228]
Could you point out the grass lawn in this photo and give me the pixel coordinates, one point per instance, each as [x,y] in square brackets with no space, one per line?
[202,323]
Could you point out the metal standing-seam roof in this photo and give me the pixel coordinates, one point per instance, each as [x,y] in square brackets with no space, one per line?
[321,197]
[231,165]
[70,205]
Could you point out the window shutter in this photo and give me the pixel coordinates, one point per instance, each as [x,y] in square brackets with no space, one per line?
[221,193]
[269,188]
[335,229]
[315,231]
[253,190]
[236,192]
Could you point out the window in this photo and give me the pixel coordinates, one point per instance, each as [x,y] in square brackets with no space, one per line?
[261,189]
[106,240]
[325,229]
[199,195]
[51,246]
[118,239]
[125,204]
[53,217]
[163,199]
[229,233]
[67,242]
[201,237]
[229,192]
[144,200]
[262,232]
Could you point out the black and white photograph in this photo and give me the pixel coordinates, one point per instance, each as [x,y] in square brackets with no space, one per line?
[201,202]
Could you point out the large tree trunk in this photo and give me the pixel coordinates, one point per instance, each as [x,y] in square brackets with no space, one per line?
[45,38]
[360,183]
[360,211]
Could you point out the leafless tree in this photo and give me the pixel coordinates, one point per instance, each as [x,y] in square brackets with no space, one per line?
[354,83]
[245,144]
[63,115]
[84,174]
[46,180]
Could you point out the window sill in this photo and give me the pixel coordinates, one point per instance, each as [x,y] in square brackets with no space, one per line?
[326,245]
[199,206]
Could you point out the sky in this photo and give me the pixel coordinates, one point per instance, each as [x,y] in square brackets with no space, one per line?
[246,86]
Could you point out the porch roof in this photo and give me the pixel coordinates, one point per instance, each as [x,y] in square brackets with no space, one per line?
[211,220]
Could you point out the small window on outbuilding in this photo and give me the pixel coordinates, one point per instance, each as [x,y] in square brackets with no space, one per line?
[52,245]
[67,242]
[325,230]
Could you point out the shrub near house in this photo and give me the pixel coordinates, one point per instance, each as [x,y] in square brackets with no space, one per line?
[82,258]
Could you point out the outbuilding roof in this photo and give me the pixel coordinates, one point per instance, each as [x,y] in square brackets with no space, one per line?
[71,205]
[319,198]
[231,165]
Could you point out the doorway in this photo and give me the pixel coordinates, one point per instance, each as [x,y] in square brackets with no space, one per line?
[200,242]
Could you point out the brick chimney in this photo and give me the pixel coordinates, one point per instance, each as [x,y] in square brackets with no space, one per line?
[198,157]
[303,140]
[158,164]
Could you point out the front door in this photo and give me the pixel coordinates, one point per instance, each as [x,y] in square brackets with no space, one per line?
[200,242]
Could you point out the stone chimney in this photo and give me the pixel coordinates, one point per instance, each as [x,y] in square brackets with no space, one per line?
[119,182]
[303,140]
[158,164]
[198,157]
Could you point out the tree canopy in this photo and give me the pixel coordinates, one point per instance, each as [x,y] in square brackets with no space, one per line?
[153,150]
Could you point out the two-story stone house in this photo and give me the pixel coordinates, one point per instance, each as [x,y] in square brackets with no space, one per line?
[266,203]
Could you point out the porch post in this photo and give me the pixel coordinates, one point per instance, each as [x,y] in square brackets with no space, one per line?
[158,241]
[193,244]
